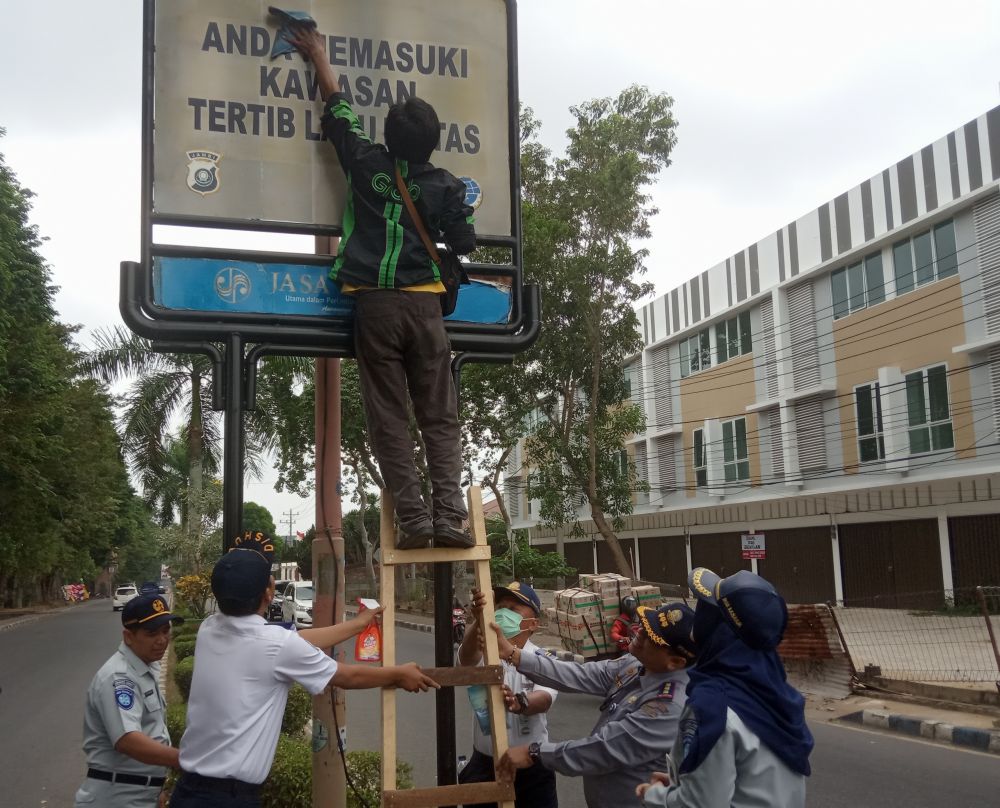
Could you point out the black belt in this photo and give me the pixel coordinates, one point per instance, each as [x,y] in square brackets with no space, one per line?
[227,785]
[128,779]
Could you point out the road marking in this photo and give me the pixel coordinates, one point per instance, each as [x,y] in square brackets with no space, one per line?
[901,736]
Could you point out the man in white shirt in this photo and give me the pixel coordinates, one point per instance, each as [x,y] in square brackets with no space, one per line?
[517,610]
[244,667]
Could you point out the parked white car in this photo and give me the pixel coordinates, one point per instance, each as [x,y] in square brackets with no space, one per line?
[123,594]
[297,602]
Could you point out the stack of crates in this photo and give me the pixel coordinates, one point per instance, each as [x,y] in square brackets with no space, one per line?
[585,614]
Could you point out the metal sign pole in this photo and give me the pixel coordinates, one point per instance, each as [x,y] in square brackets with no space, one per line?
[232,462]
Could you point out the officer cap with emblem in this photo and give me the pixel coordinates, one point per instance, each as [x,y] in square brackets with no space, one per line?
[522,592]
[670,625]
[244,572]
[149,612]
[750,604]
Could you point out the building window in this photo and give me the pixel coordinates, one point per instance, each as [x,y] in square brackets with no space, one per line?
[696,353]
[858,286]
[868,407]
[927,410]
[928,256]
[732,337]
[700,466]
[735,460]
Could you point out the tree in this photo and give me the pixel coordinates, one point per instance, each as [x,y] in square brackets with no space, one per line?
[583,213]
[525,561]
[301,553]
[257,517]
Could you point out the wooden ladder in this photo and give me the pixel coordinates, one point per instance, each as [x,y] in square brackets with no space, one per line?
[491,674]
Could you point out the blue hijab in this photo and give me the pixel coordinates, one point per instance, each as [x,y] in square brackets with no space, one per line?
[731,674]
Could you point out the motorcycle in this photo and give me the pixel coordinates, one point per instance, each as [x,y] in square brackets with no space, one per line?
[457,625]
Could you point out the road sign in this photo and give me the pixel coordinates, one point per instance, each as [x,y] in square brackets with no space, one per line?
[753,545]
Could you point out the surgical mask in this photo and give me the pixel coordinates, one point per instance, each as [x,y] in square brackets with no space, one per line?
[509,622]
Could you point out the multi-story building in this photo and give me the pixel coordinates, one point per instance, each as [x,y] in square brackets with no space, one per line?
[834,386]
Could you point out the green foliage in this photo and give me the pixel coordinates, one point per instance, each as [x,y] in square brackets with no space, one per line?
[183,671]
[289,784]
[257,517]
[192,591]
[301,553]
[528,562]
[298,710]
[186,630]
[184,648]
[365,768]
[353,545]
[176,717]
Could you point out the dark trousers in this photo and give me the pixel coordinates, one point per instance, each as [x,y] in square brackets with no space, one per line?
[402,348]
[187,795]
[534,787]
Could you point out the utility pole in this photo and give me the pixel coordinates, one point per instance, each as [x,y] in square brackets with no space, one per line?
[289,521]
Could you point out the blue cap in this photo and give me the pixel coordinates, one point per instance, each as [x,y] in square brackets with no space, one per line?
[751,605]
[149,612]
[669,625]
[522,592]
[245,571]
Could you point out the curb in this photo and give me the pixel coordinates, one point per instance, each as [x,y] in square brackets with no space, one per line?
[982,740]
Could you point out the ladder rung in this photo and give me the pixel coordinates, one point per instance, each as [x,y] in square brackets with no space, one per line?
[465,794]
[457,677]
[434,555]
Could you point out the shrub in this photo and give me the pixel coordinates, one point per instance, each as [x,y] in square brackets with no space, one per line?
[289,785]
[365,768]
[176,722]
[184,648]
[183,671]
[186,630]
[193,591]
[298,710]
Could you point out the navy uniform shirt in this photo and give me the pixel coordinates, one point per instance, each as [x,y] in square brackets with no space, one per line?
[124,696]
[636,728]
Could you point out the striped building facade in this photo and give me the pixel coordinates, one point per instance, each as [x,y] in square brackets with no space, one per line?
[834,386]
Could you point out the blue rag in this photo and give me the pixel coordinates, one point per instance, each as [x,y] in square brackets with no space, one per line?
[282,43]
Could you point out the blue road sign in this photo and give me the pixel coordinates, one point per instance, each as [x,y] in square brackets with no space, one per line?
[217,285]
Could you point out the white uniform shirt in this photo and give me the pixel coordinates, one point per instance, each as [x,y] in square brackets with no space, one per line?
[739,771]
[521,729]
[243,670]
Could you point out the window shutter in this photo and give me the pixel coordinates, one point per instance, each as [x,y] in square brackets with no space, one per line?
[995,380]
[767,341]
[512,492]
[776,442]
[802,332]
[811,434]
[987,222]
[665,463]
[660,373]
[641,470]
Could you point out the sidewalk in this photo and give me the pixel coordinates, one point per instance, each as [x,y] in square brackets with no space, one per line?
[973,728]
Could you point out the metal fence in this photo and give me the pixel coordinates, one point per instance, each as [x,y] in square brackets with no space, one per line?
[942,637]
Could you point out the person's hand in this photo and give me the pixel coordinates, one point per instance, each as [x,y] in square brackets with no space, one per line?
[367,616]
[510,701]
[505,646]
[661,778]
[477,606]
[515,758]
[412,679]
[306,40]
[161,801]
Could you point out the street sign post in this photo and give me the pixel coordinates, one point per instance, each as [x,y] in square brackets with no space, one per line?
[753,546]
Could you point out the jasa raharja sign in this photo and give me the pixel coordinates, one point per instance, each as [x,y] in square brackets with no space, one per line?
[237,134]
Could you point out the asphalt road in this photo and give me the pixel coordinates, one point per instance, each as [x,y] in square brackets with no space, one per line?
[46,665]
[45,668]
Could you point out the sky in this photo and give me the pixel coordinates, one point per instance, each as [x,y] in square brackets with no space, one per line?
[781,106]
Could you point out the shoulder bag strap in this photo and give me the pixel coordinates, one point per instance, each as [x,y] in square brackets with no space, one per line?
[404,192]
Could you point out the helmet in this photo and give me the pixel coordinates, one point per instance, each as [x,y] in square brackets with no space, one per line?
[629,605]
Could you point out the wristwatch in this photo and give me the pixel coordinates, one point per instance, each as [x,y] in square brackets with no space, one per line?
[522,700]
[535,752]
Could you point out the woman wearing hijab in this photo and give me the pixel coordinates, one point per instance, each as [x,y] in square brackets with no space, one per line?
[743,740]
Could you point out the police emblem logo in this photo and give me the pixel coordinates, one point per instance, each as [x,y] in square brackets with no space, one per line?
[158,605]
[473,192]
[203,171]
[125,698]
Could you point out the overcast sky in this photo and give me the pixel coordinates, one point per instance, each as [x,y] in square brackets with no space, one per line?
[781,106]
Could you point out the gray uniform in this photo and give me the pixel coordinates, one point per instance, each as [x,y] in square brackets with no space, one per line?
[637,727]
[123,697]
[739,771]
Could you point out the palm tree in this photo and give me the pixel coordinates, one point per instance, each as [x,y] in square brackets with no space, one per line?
[166,388]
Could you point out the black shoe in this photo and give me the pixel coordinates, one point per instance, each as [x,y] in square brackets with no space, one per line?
[449,536]
[414,541]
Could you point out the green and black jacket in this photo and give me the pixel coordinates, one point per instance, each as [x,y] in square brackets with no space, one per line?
[381,246]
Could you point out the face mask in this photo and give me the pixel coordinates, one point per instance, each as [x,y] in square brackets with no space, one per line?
[509,622]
